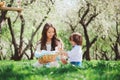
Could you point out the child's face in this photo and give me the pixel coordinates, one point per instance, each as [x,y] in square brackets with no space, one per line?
[73,43]
[50,33]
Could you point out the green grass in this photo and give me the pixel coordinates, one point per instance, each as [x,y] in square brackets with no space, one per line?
[90,70]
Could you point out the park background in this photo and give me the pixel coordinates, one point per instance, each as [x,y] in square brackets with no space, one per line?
[97,20]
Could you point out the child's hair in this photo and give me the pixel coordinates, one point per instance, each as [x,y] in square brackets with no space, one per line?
[76,37]
[44,37]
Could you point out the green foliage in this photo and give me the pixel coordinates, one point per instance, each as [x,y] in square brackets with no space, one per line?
[64,35]
[5,32]
[90,70]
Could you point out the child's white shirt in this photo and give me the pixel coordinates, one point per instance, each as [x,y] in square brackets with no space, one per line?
[75,55]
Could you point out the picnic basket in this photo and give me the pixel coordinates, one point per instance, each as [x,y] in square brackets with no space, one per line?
[51,57]
[48,58]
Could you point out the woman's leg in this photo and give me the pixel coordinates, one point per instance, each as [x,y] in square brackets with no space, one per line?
[37,64]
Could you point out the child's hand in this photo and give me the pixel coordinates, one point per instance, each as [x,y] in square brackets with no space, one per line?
[63,60]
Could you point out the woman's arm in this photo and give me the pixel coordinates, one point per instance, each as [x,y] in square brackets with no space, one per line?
[59,46]
[37,50]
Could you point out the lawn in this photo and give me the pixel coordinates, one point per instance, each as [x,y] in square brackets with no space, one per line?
[90,70]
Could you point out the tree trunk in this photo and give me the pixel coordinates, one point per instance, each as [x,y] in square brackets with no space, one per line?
[16,55]
[31,51]
[117,54]
[86,54]
[84,22]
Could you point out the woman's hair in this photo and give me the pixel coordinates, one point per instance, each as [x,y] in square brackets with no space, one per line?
[76,37]
[43,39]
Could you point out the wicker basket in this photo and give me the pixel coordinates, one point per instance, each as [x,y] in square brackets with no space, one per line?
[47,58]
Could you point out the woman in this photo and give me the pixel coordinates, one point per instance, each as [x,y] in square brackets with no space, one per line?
[48,42]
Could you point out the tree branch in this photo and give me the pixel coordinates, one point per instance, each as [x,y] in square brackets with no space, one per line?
[79,11]
[71,26]
[85,13]
[52,1]
[94,40]
[12,33]
[91,18]
[27,56]
[21,32]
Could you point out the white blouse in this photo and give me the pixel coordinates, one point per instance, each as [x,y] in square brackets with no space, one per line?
[48,46]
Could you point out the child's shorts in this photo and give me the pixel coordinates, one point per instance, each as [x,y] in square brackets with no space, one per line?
[76,63]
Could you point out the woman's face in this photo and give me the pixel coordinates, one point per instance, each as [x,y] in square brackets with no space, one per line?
[50,33]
